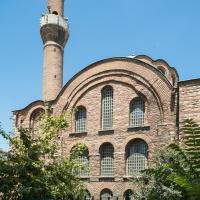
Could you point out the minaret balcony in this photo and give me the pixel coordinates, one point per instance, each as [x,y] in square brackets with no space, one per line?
[54,28]
[54,19]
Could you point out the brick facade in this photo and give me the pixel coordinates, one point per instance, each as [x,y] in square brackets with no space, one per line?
[167,102]
[130,78]
[190,100]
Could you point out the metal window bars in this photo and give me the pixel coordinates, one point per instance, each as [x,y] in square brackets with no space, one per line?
[107,108]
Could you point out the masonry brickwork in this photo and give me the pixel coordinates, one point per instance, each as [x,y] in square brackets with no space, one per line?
[167,103]
[190,100]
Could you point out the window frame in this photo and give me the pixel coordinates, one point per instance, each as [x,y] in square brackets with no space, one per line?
[134,157]
[137,119]
[107,160]
[107,115]
[80,124]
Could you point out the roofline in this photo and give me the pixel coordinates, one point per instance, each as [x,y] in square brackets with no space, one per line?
[34,102]
[189,81]
[98,62]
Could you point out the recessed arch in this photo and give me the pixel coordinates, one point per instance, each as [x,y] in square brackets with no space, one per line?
[80,119]
[136,157]
[128,195]
[35,120]
[162,70]
[107,107]
[82,160]
[106,151]
[137,111]
[106,194]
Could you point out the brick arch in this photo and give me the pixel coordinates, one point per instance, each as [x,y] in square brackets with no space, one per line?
[105,141]
[73,143]
[138,69]
[142,88]
[131,138]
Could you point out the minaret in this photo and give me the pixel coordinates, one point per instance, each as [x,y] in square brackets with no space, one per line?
[54,32]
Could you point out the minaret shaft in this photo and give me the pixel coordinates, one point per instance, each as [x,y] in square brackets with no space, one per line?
[56,6]
[54,33]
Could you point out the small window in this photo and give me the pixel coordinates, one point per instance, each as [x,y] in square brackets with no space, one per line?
[136,161]
[128,195]
[106,195]
[55,12]
[137,110]
[162,70]
[107,160]
[80,120]
[107,108]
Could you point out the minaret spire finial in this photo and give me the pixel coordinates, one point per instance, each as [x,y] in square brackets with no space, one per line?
[54,32]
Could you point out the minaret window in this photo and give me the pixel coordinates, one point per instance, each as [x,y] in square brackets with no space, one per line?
[137,111]
[80,120]
[136,160]
[107,108]
[107,160]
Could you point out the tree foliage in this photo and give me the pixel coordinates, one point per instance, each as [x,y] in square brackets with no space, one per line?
[175,174]
[32,170]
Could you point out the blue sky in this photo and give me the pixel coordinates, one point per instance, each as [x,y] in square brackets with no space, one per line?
[98,29]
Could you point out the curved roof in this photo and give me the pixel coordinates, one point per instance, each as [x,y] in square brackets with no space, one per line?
[135,59]
[141,61]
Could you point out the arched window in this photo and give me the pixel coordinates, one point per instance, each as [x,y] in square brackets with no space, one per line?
[136,157]
[107,160]
[107,108]
[83,164]
[35,121]
[137,111]
[80,120]
[87,196]
[128,195]
[106,194]
[162,70]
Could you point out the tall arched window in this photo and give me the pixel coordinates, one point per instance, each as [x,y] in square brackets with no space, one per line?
[106,194]
[128,195]
[107,160]
[35,121]
[107,108]
[83,164]
[137,111]
[80,120]
[136,157]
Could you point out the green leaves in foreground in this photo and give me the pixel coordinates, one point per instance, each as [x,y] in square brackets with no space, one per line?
[32,170]
[175,174]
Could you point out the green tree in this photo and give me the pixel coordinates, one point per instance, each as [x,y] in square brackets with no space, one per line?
[175,173]
[32,170]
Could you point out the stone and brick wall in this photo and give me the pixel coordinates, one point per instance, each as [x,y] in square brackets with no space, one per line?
[129,78]
[189,92]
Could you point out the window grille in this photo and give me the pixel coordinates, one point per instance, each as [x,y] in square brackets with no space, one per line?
[136,158]
[137,109]
[107,108]
[83,162]
[106,195]
[128,195]
[107,160]
[80,120]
